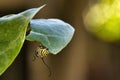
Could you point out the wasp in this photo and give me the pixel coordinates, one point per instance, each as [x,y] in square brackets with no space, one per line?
[41,51]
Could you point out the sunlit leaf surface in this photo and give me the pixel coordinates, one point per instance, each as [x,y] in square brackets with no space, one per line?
[12,35]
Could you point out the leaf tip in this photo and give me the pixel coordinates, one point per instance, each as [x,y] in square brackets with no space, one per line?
[42,6]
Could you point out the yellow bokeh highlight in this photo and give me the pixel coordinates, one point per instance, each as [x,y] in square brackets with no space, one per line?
[103,19]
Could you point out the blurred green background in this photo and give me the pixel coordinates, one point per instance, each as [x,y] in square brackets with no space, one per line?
[85,58]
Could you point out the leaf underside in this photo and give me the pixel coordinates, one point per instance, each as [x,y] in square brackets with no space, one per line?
[54,34]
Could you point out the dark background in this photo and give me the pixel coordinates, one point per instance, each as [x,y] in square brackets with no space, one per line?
[85,58]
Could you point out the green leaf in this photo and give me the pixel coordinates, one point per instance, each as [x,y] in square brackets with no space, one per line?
[54,34]
[12,35]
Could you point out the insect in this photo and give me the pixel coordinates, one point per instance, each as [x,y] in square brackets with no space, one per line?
[42,52]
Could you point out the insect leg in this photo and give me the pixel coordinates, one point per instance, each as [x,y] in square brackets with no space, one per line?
[46,66]
[35,54]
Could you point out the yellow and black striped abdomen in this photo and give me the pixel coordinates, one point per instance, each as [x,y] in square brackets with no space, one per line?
[41,51]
